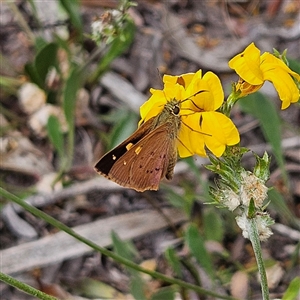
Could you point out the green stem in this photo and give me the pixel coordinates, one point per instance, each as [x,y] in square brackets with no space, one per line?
[25,287]
[91,58]
[228,104]
[254,238]
[70,150]
[104,251]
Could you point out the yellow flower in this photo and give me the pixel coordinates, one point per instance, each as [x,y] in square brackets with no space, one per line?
[201,125]
[254,69]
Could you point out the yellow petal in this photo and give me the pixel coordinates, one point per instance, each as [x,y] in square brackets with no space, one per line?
[215,147]
[188,77]
[173,91]
[153,106]
[214,85]
[268,58]
[159,98]
[197,143]
[184,146]
[183,79]
[194,84]
[280,75]
[284,85]
[247,65]
[245,88]
[205,94]
[190,137]
[222,132]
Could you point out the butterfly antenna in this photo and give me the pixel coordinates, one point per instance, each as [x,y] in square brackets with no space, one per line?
[159,75]
[192,129]
[190,113]
[189,98]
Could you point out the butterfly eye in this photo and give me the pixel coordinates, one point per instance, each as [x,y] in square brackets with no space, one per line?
[176,110]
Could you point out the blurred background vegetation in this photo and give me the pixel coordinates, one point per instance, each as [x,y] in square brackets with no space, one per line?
[73,75]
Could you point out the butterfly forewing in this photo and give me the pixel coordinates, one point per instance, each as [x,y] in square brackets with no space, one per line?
[146,163]
[148,155]
[106,162]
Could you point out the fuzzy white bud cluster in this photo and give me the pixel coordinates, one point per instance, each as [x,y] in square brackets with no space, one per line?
[254,188]
[263,222]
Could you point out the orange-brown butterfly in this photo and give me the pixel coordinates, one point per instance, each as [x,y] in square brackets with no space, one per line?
[148,155]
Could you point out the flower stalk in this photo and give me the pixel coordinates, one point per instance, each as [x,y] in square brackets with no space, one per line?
[25,287]
[239,189]
[254,238]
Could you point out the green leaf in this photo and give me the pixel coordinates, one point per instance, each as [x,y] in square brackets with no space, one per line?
[126,125]
[73,84]
[176,199]
[166,293]
[32,73]
[213,226]
[95,289]
[202,182]
[34,12]
[116,48]
[262,108]
[191,162]
[295,255]
[278,203]
[196,244]
[292,291]
[55,135]
[40,43]
[137,288]
[9,85]
[119,45]
[64,44]
[173,261]
[125,249]
[262,167]
[39,68]
[72,8]
[251,209]
[46,58]
[294,65]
